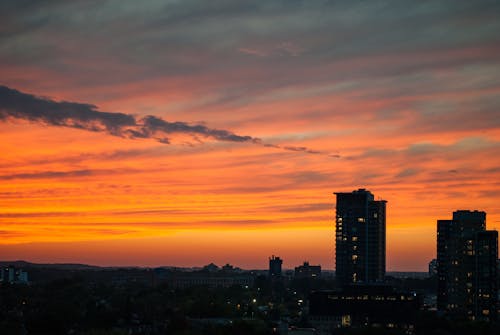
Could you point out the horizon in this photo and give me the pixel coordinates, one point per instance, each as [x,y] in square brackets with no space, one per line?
[12,262]
[190,133]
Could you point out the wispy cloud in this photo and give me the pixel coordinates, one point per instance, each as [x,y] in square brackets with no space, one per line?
[59,174]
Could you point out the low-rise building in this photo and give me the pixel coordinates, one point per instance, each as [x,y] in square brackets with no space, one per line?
[363,306]
[307,271]
[12,275]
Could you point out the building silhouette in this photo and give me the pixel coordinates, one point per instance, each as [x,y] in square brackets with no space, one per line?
[13,275]
[360,238]
[433,267]
[467,266]
[275,266]
[307,271]
[360,305]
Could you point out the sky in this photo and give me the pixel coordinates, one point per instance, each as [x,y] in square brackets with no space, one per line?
[187,132]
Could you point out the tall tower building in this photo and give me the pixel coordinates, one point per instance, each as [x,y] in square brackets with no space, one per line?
[360,238]
[467,266]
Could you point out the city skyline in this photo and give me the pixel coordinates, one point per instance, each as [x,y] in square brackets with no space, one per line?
[189,133]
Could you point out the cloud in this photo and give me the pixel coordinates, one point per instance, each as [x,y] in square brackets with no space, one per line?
[57,174]
[302,149]
[19,105]
[15,104]
[421,150]
[282,49]
[408,172]
[314,207]
[153,124]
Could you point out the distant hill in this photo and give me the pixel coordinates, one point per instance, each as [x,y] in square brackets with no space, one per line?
[62,266]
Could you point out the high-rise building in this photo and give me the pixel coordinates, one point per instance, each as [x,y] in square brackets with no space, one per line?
[360,238]
[467,266]
[275,266]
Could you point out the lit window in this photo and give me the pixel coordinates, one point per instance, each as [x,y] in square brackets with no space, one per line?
[346,320]
[354,238]
[361,219]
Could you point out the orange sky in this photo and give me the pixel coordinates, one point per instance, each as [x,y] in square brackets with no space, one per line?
[409,113]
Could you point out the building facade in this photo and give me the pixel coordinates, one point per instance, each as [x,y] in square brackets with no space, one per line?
[275,264]
[371,305]
[308,271]
[467,267]
[360,238]
[12,275]
[433,267]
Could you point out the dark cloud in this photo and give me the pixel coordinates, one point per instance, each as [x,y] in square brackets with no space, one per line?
[298,149]
[152,124]
[19,105]
[15,104]
[302,149]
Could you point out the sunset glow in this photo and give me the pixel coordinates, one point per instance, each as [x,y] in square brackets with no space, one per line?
[277,107]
